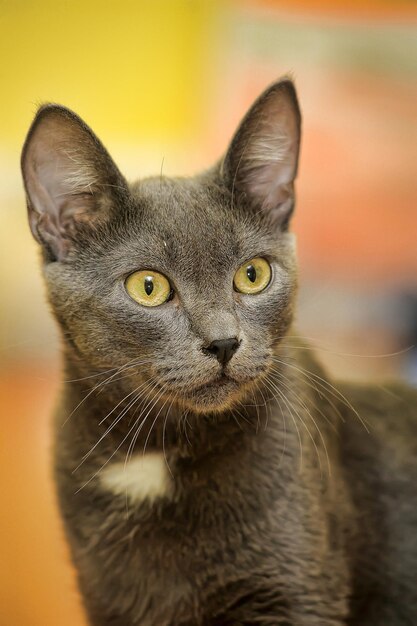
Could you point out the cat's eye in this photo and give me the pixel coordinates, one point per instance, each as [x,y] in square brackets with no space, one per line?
[253,276]
[148,288]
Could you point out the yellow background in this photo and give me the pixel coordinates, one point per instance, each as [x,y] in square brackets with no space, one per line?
[138,69]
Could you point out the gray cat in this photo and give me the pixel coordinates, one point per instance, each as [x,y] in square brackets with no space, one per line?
[209,472]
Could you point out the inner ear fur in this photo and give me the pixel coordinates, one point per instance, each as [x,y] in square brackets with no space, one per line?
[69,177]
[261,163]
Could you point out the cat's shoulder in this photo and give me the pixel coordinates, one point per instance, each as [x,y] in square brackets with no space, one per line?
[391,404]
[381,425]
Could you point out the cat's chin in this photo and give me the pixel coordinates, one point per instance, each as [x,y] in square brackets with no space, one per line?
[216,396]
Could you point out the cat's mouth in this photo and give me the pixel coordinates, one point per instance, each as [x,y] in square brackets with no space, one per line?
[217,394]
[217,383]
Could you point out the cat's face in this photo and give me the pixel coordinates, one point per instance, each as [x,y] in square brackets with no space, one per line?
[186,285]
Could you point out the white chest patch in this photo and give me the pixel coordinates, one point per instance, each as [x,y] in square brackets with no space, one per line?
[144,477]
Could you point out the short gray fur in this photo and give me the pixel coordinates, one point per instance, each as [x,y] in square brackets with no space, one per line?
[294,497]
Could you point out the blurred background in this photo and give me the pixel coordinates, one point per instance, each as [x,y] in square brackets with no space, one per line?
[166,81]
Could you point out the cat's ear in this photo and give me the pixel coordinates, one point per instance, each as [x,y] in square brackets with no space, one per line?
[261,164]
[70,180]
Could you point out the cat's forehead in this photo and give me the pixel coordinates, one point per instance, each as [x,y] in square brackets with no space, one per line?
[195,217]
[176,201]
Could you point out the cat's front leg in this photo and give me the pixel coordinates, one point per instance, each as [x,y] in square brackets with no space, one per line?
[97,620]
[251,618]
[272,609]
[99,614]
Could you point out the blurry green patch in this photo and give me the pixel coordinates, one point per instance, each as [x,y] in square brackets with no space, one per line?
[377,48]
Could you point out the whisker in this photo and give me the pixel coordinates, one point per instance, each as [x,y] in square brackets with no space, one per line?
[150,403]
[245,419]
[266,404]
[326,385]
[122,400]
[152,425]
[184,422]
[130,450]
[316,347]
[109,459]
[274,389]
[112,369]
[306,408]
[163,435]
[109,428]
[320,393]
[257,414]
[96,387]
[284,423]
[235,418]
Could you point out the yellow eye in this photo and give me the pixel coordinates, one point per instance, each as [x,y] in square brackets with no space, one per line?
[148,288]
[252,277]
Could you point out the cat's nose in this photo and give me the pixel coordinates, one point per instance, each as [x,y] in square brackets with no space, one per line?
[223,349]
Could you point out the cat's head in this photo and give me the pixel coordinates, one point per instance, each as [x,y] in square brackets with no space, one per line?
[188,284]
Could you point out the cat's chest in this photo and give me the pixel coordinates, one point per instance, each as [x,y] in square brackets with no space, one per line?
[142,478]
[191,527]
[181,513]
[154,480]
[207,498]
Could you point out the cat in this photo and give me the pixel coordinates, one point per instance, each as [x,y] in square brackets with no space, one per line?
[208,470]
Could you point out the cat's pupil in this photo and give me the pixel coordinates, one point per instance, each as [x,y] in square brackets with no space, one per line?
[251,273]
[148,285]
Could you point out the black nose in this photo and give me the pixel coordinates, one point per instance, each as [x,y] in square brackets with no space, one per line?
[223,349]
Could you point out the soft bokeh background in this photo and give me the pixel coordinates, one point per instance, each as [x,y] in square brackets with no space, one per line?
[165,82]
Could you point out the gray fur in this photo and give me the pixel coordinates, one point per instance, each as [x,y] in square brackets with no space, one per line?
[286,508]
